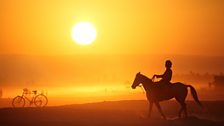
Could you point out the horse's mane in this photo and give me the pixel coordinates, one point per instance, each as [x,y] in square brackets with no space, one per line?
[146,78]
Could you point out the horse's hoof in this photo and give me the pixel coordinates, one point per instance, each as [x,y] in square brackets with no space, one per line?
[186,116]
[164,118]
[149,117]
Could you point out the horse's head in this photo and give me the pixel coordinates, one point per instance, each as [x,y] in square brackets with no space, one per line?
[136,81]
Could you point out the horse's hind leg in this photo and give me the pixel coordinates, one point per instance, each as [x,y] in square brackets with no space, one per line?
[180,112]
[160,110]
[150,108]
[183,108]
[182,94]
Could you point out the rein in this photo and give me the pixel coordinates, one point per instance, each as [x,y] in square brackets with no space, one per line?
[143,91]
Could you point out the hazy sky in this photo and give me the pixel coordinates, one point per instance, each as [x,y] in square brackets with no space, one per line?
[43,27]
[129,33]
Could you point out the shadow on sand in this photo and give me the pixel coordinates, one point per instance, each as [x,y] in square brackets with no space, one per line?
[71,116]
[193,121]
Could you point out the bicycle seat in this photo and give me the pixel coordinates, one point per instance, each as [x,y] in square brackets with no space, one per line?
[35,91]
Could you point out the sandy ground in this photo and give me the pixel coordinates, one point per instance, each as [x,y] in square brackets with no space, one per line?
[116,113]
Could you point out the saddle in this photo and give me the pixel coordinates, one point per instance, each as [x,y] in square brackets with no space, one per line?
[162,88]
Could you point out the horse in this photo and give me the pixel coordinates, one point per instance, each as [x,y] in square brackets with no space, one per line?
[156,93]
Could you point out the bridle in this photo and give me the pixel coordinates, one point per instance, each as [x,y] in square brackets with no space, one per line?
[143,91]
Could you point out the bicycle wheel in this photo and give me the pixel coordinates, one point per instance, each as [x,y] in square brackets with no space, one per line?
[40,100]
[18,101]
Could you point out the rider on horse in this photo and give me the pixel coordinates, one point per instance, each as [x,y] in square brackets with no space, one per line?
[167,76]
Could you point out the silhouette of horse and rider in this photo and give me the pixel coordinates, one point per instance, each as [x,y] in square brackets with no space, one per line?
[165,90]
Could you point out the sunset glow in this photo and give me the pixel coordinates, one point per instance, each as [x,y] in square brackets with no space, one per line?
[84,48]
[111,62]
[84,33]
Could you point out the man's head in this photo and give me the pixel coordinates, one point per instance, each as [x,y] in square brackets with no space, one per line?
[168,64]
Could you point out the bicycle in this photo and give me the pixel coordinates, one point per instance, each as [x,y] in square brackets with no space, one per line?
[39,100]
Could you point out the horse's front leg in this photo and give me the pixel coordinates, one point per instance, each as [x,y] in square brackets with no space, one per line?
[150,108]
[160,110]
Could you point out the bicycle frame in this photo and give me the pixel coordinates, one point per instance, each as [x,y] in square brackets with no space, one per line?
[26,98]
[38,99]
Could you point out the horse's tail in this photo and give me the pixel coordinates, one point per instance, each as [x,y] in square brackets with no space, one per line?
[194,94]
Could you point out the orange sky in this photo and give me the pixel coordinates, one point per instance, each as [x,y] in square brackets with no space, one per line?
[125,29]
[43,27]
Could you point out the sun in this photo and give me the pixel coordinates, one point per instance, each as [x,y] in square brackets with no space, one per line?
[84,33]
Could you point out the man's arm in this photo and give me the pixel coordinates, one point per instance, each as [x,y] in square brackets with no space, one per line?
[158,76]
